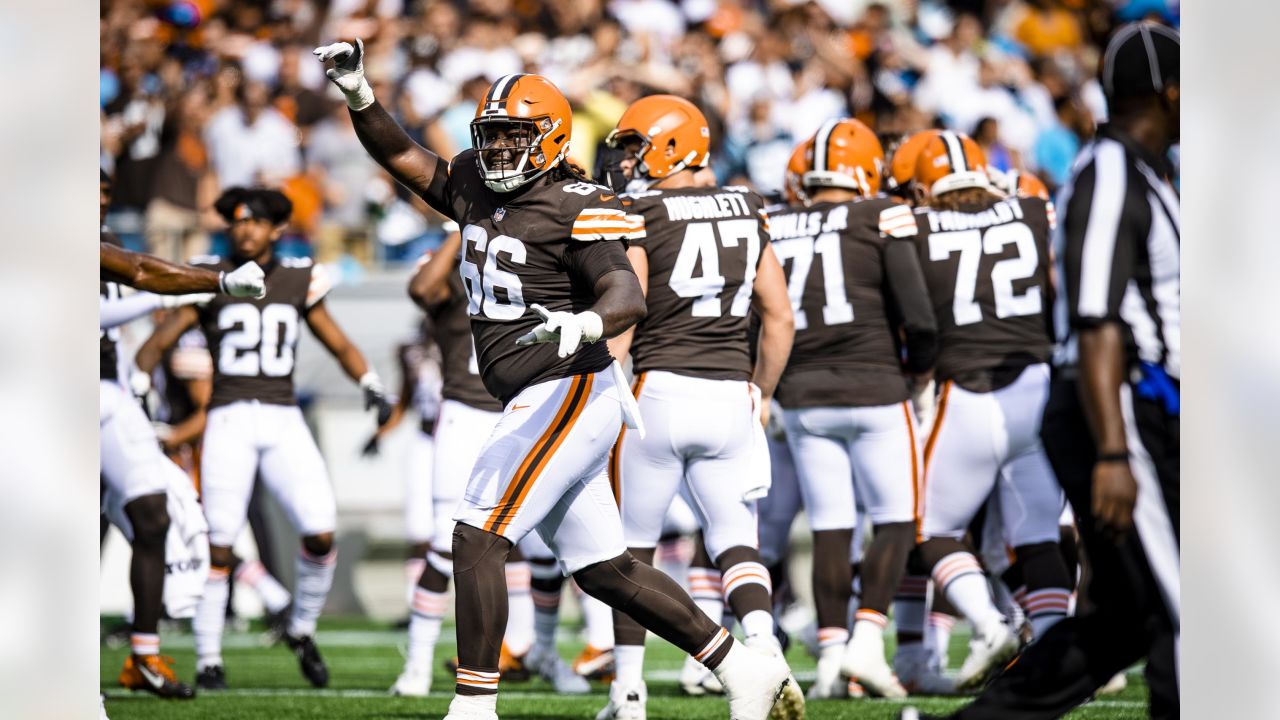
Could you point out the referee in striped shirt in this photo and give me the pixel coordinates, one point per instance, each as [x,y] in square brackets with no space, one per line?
[1111,423]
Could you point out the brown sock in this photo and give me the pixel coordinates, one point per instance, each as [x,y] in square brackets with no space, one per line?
[626,631]
[832,577]
[884,564]
[480,581]
[660,605]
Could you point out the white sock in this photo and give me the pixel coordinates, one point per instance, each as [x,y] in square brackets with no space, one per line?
[598,618]
[546,619]
[960,577]
[424,626]
[254,574]
[629,660]
[211,616]
[413,568]
[474,704]
[908,606]
[519,637]
[314,578]
[758,622]
[937,637]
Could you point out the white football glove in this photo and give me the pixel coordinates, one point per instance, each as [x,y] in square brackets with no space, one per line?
[348,72]
[176,301]
[248,280]
[568,329]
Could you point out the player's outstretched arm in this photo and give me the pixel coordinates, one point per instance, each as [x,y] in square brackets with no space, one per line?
[164,337]
[350,358]
[388,144]
[429,286]
[150,273]
[777,325]
[620,345]
[190,429]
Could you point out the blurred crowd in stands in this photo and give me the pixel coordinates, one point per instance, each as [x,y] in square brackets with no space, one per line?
[200,95]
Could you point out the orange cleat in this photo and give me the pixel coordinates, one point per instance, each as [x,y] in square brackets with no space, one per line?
[154,673]
[595,664]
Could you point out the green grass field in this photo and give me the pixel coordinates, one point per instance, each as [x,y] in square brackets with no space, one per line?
[365,657]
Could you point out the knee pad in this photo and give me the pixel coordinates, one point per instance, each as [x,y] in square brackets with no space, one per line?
[473,546]
[149,517]
[601,579]
[318,545]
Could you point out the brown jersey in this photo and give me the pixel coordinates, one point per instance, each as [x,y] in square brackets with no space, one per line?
[703,247]
[845,351]
[108,360]
[547,243]
[987,269]
[459,364]
[253,341]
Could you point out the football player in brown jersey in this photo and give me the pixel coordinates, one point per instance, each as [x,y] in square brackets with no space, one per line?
[254,426]
[547,278]
[136,470]
[986,260]
[846,404]
[704,263]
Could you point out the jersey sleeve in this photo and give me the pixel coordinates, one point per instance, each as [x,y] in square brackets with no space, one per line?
[899,222]
[319,286]
[608,221]
[592,261]
[439,193]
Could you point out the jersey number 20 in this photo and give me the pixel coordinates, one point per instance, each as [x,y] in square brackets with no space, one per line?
[700,245]
[261,342]
[972,244]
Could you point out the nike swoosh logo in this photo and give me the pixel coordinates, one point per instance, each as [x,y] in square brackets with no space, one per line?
[606,198]
[156,681]
[518,407]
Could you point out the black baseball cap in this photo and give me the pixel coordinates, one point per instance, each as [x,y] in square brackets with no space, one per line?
[1141,60]
[238,203]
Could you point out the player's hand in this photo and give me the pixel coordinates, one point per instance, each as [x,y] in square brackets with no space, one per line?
[568,329]
[175,301]
[348,72]
[375,395]
[248,280]
[1114,494]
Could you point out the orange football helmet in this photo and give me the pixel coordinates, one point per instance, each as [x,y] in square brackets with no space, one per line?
[1024,184]
[846,154]
[523,123]
[673,135]
[799,164]
[903,165]
[951,161]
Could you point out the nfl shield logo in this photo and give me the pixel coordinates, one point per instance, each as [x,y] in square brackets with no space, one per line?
[499,214]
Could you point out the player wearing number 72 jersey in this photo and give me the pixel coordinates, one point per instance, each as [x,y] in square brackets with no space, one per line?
[849,424]
[986,261]
[255,427]
[544,262]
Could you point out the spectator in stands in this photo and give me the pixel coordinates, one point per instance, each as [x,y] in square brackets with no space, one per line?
[251,143]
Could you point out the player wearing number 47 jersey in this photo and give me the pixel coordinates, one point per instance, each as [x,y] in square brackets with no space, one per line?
[547,277]
[704,262]
[849,423]
[254,425]
[986,260]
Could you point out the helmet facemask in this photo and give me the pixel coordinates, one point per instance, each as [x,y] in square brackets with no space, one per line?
[641,179]
[509,151]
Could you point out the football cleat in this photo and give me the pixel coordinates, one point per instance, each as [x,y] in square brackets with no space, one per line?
[697,680]
[987,655]
[595,664]
[154,673]
[277,625]
[211,677]
[1116,684]
[552,668]
[759,685]
[910,713]
[309,660]
[829,683]
[789,705]
[625,703]
[473,707]
[511,667]
[914,668]
[864,660]
[414,681]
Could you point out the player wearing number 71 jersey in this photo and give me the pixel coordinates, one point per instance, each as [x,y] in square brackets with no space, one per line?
[255,427]
[705,262]
[986,261]
[849,424]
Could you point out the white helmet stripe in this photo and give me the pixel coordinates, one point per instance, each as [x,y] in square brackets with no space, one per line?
[955,152]
[820,142]
[496,99]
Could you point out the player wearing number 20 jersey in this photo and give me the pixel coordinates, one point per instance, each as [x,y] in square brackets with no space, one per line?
[986,261]
[254,426]
[849,424]
[703,251]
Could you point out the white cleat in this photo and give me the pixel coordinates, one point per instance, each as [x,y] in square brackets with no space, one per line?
[829,683]
[790,706]
[625,702]
[1116,684]
[759,685]
[990,652]
[697,680]
[915,671]
[473,707]
[414,681]
[864,661]
[552,668]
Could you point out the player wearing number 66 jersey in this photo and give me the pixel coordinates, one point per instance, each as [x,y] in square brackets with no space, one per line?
[986,261]
[705,263]
[254,425]
[849,424]
[544,264]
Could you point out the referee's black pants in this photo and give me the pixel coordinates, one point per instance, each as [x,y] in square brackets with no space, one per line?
[1128,619]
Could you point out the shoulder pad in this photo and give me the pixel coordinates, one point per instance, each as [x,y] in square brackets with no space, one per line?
[641,194]
[596,223]
[319,286]
[898,221]
[296,262]
[736,188]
